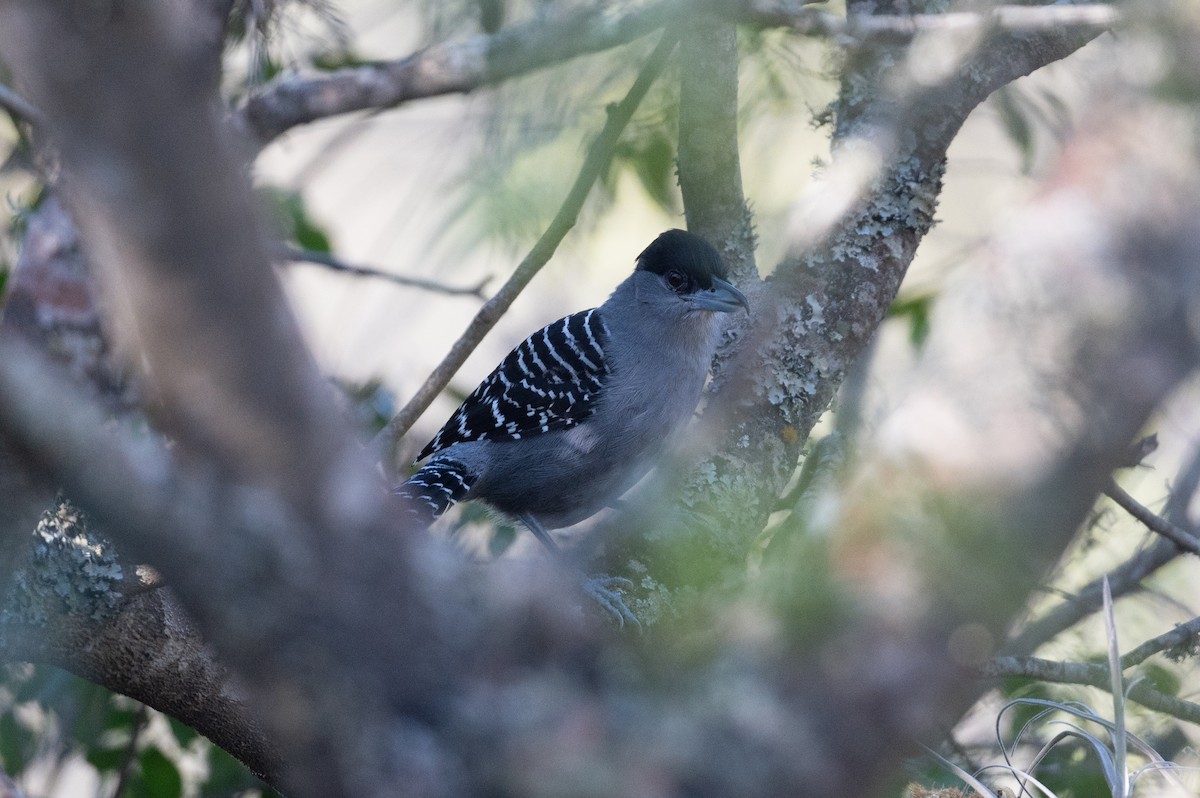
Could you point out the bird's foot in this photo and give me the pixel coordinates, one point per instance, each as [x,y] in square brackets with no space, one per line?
[601,589]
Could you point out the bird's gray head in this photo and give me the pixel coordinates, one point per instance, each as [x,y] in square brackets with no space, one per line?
[691,272]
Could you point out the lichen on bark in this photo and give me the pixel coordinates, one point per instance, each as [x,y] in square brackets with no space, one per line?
[70,570]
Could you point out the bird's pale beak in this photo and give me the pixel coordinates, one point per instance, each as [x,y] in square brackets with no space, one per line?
[723,297]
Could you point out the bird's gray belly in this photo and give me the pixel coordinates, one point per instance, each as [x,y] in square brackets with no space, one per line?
[573,476]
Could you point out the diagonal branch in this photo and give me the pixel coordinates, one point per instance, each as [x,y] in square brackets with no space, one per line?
[296,255]
[18,106]
[1124,579]
[463,66]
[595,164]
[81,608]
[1181,635]
[858,29]
[448,67]
[1152,521]
[1090,675]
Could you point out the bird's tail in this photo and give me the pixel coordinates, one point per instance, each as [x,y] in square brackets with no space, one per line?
[435,488]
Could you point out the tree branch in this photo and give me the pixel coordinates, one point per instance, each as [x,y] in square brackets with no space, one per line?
[78,606]
[18,106]
[861,29]
[1123,580]
[463,66]
[1182,539]
[638,545]
[276,500]
[448,67]
[710,176]
[1182,635]
[847,260]
[596,163]
[329,261]
[1090,675]
[383,667]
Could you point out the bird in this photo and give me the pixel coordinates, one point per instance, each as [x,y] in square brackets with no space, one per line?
[580,411]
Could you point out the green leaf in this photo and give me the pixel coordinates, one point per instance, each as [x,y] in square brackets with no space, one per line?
[184,733]
[292,217]
[917,310]
[503,537]
[91,711]
[106,760]
[227,776]
[1015,119]
[1161,678]
[651,156]
[339,59]
[16,744]
[159,778]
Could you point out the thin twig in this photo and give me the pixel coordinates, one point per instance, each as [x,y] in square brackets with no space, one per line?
[448,67]
[131,749]
[598,158]
[296,255]
[466,65]
[1178,636]
[1090,675]
[1124,579]
[1154,522]
[1183,488]
[800,17]
[18,106]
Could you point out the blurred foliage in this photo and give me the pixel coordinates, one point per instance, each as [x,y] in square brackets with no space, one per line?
[649,153]
[293,222]
[371,404]
[1024,112]
[1016,123]
[532,136]
[51,720]
[916,311]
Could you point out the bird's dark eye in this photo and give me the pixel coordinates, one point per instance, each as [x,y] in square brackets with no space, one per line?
[677,281]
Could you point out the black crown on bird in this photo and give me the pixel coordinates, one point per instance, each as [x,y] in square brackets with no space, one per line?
[685,253]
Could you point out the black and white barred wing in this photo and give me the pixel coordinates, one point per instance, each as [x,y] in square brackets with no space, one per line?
[550,381]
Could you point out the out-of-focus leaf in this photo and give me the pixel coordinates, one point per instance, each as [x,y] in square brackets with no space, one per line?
[158,777]
[294,222]
[917,310]
[184,733]
[341,59]
[651,156]
[501,539]
[1014,115]
[17,744]
[93,711]
[371,403]
[491,15]
[1162,679]
[106,760]
[227,777]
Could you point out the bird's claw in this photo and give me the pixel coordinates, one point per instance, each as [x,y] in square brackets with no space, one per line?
[600,588]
